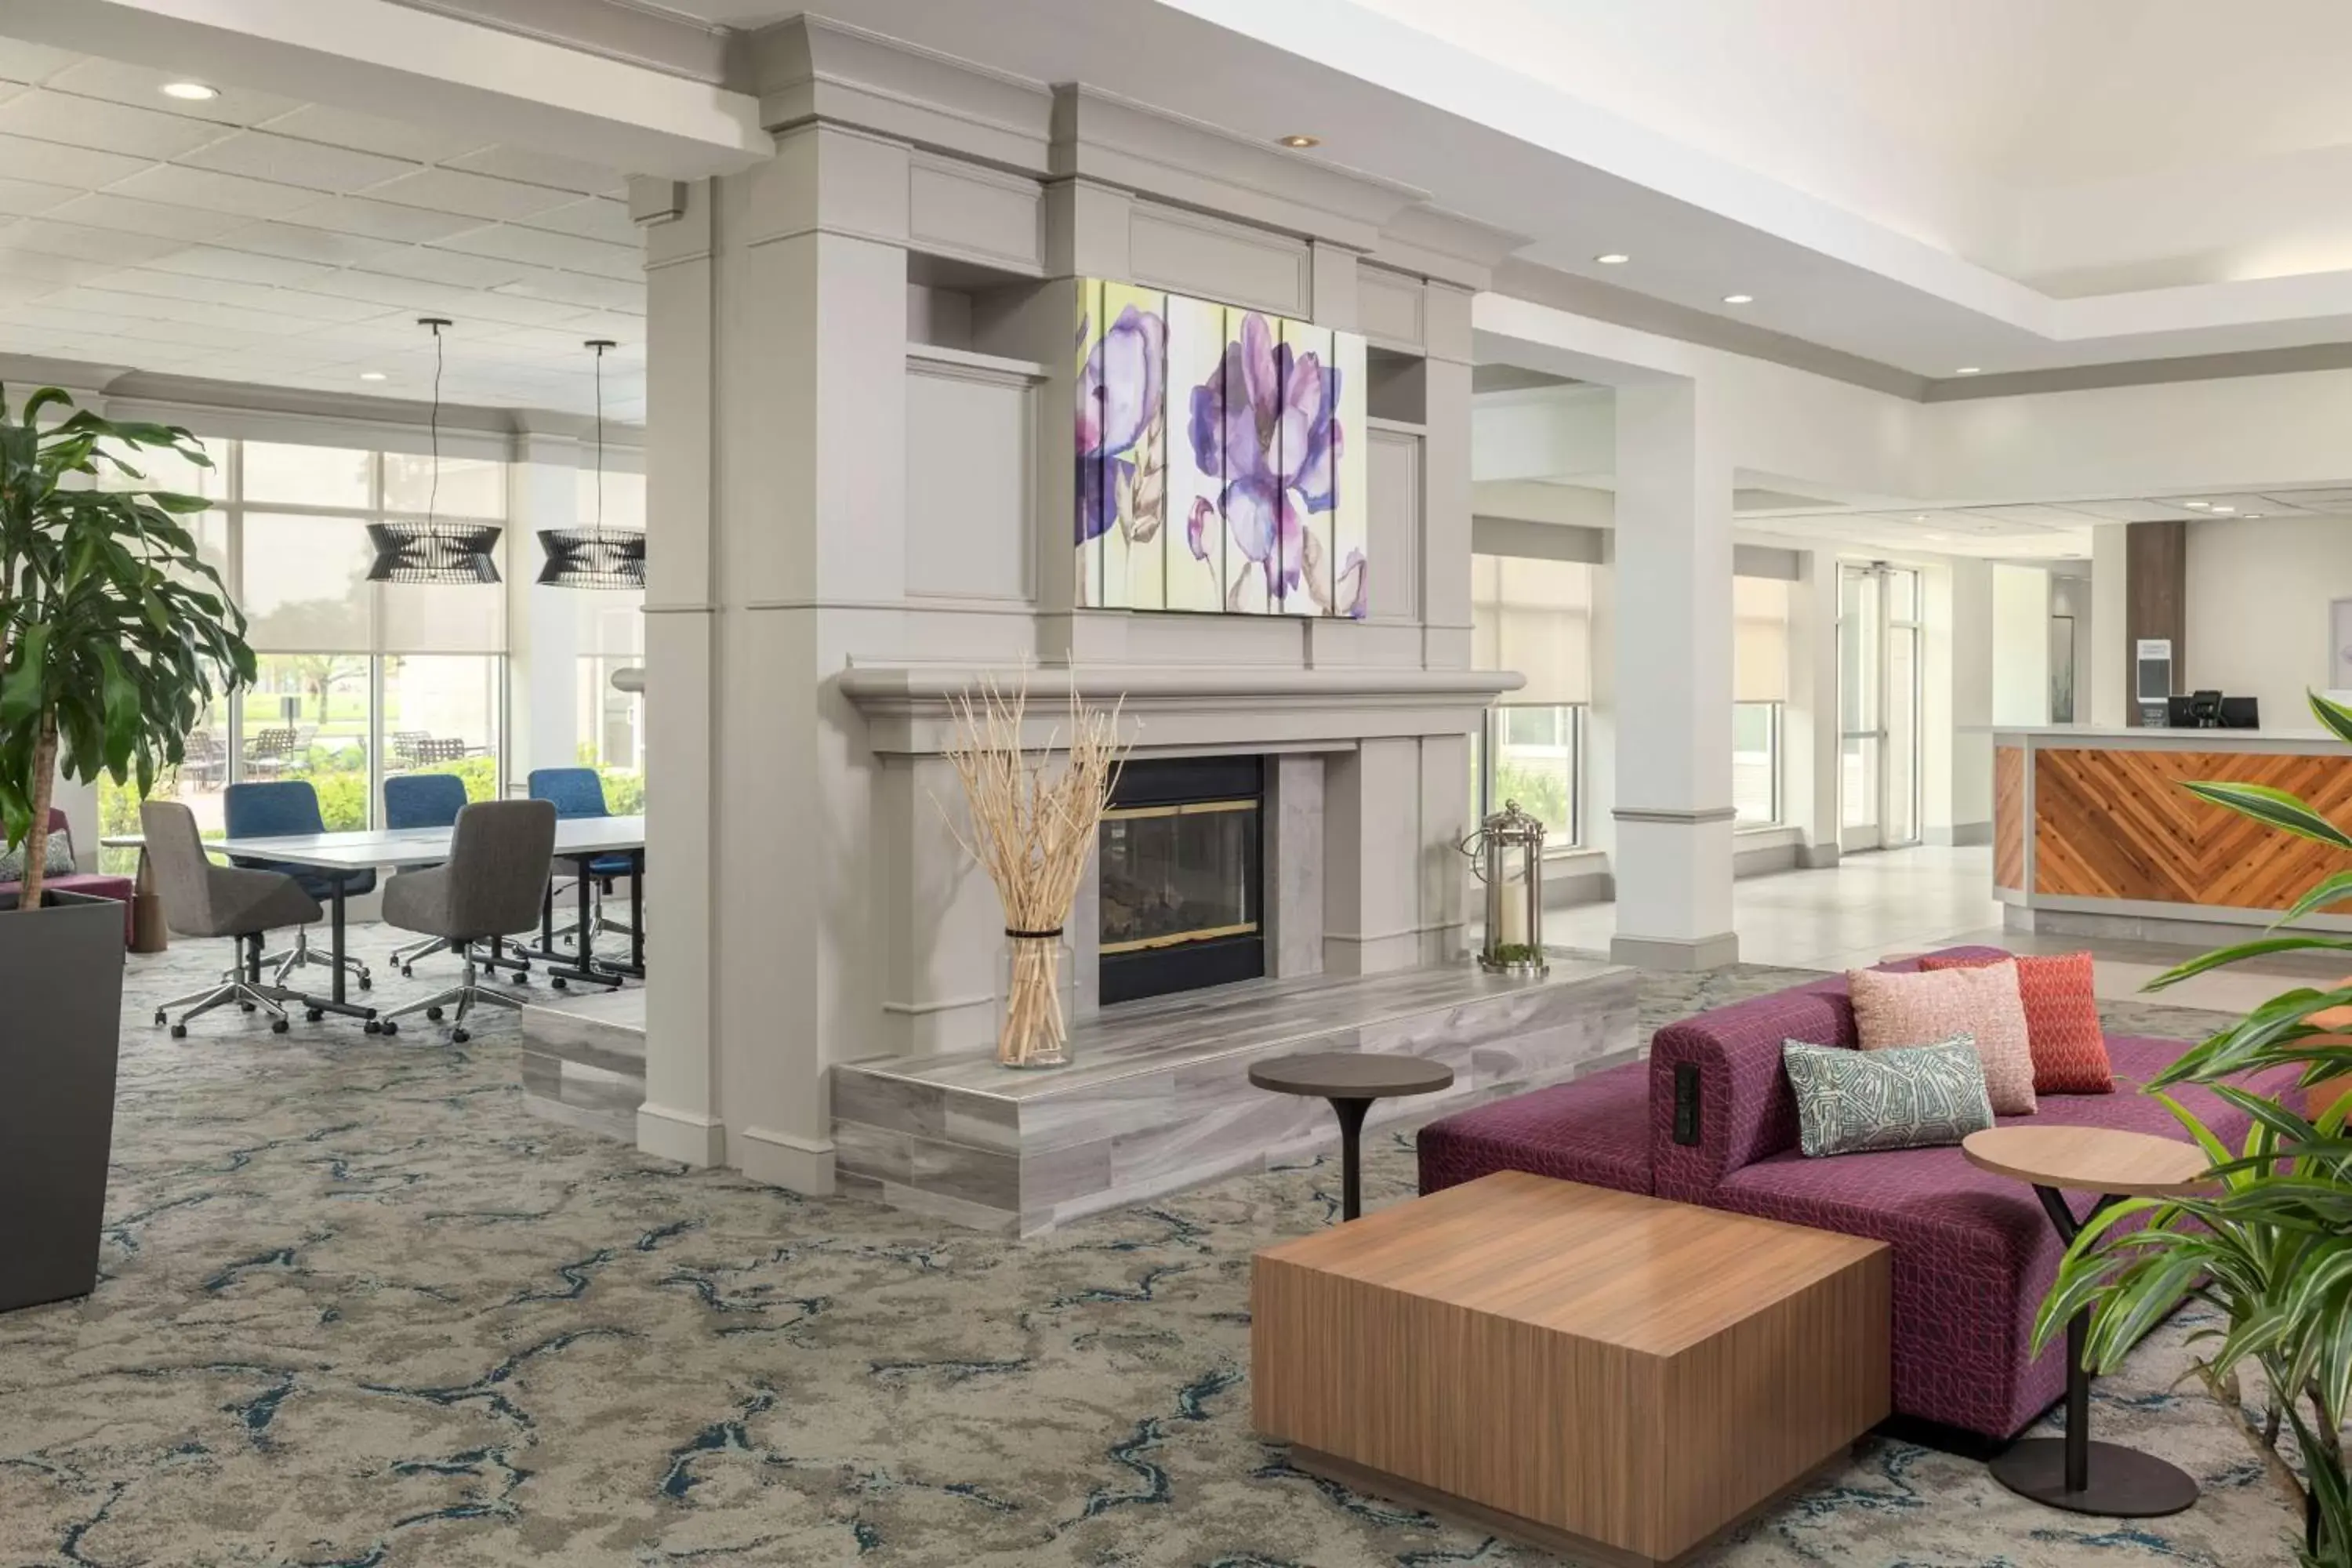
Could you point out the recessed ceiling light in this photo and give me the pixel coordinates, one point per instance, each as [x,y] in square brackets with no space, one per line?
[1921,518]
[1970,369]
[1739,298]
[2222,510]
[2254,517]
[193,91]
[2195,505]
[1612,258]
[371,375]
[1297,140]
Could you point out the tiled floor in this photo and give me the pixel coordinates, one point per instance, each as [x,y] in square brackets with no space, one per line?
[1902,900]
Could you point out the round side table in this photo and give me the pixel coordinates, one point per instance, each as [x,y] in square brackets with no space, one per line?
[2073,1472]
[1352,1080]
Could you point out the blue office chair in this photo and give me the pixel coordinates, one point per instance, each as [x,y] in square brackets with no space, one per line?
[282,808]
[423,800]
[579,791]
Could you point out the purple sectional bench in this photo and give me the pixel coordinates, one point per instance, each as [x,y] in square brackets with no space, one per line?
[1973,1253]
[95,884]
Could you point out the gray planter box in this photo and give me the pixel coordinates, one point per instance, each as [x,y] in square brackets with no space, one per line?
[60,1023]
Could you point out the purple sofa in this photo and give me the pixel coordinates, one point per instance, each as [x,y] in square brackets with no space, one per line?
[91,882]
[1973,1254]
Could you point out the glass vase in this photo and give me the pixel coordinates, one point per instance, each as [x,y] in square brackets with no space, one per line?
[1035,993]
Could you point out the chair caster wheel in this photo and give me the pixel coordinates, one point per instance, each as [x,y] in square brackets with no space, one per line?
[367,982]
[388,1028]
[458,1037]
[179,1031]
[245,1007]
[371,1027]
[313,1015]
[434,1014]
[407,972]
[279,1026]
[558,981]
[160,1019]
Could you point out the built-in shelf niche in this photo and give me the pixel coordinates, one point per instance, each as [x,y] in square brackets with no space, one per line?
[1397,385]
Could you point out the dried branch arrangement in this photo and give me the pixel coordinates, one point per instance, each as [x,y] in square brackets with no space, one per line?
[1035,820]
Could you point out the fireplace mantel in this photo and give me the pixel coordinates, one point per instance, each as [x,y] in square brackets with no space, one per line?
[908,709]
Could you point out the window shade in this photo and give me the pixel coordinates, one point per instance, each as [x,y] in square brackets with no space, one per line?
[1535,617]
[1759,612]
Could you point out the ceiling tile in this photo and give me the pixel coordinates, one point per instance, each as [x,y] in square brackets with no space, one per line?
[109,127]
[33,62]
[542,169]
[43,266]
[517,311]
[227,193]
[475,196]
[22,158]
[251,296]
[595,218]
[2320,500]
[576,289]
[2129,509]
[115,246]
[559,250]
[382,220]
[389,138]
[28,198]
[143,86]
[432,266]
[201,333]
[102,209]
[264,155]
[99,300]
[240,266]
[294,242]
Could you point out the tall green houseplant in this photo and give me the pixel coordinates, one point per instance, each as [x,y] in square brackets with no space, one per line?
[115,635]
[2269,1245]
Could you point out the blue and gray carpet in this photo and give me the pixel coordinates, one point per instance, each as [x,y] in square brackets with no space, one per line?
[361,1308]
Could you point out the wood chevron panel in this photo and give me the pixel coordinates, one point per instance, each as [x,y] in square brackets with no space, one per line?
[2118,824]
[2009,817]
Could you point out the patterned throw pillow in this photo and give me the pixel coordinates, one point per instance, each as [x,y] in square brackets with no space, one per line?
[1903,1009]
[2061,1020]
[1902,1097]
[62,862]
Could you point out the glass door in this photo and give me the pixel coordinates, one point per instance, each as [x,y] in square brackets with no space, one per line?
[1879,667]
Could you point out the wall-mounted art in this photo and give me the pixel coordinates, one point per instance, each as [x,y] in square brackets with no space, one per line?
[1220,458]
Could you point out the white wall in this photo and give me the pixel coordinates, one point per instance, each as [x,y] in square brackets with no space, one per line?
[2072,595]
[2258,597]
[2021,645]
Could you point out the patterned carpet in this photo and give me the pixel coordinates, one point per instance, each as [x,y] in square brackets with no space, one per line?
[361,1308]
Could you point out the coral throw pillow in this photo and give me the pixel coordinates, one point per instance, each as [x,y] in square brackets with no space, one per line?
[2061,1020]
[1898,1010]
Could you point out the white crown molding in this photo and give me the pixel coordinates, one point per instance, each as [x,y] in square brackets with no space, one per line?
[656,38]
[1432,242]
[811,68]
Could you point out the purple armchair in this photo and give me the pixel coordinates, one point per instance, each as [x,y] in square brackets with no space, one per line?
[78,881]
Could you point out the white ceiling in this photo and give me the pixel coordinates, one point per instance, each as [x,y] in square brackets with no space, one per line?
[2053,532]
[259,238]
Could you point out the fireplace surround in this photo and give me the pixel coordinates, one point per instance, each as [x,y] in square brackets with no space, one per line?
[1179,890]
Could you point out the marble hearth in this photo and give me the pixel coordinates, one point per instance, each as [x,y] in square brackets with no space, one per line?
[1159,1097]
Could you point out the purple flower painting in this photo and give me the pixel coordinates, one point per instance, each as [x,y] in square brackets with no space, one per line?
[1270,514]
[1121,434]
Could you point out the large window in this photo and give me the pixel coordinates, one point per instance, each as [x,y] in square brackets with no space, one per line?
[358,680]
[1760,607]
[1535,616]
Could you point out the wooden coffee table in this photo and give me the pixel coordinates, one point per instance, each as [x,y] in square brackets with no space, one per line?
[2073,1472]
[1614,1376]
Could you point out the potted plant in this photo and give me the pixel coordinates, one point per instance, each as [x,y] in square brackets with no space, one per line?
[2269,1246]
[115,636]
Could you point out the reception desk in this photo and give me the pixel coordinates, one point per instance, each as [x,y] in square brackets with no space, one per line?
[2094,835]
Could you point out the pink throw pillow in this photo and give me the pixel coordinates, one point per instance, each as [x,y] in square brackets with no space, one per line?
[1895,1010]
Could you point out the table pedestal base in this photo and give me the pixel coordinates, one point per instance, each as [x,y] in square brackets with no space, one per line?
[2121,1483]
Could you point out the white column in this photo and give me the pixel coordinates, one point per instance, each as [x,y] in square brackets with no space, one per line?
[1956,751]
[1810,758]
[1674,811]
[2111,666]
[2021,645]
[542,624]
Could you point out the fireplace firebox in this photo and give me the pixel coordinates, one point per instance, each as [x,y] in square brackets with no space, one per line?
[1182,854]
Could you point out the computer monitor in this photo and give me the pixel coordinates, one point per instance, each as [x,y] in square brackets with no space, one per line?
[2241,713]
[2178,712]
[2205,709]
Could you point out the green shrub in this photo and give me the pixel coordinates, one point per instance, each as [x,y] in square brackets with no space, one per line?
[625,791]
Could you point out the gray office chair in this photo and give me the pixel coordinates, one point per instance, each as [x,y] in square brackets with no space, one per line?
[201,898]
[488,887]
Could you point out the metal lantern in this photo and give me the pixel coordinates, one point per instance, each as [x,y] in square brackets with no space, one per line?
[1513,944]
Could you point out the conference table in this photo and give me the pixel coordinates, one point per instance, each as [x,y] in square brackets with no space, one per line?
[344,857]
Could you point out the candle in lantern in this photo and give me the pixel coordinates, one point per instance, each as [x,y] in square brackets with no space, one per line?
[1514,913]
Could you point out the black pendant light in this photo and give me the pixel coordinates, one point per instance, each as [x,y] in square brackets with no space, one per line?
[595,556]
[433,551]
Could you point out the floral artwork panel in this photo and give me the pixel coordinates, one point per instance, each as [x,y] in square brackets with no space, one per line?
[1196,517]
[1135,443]
[1307,466]
[1352,518]
[1090,518]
